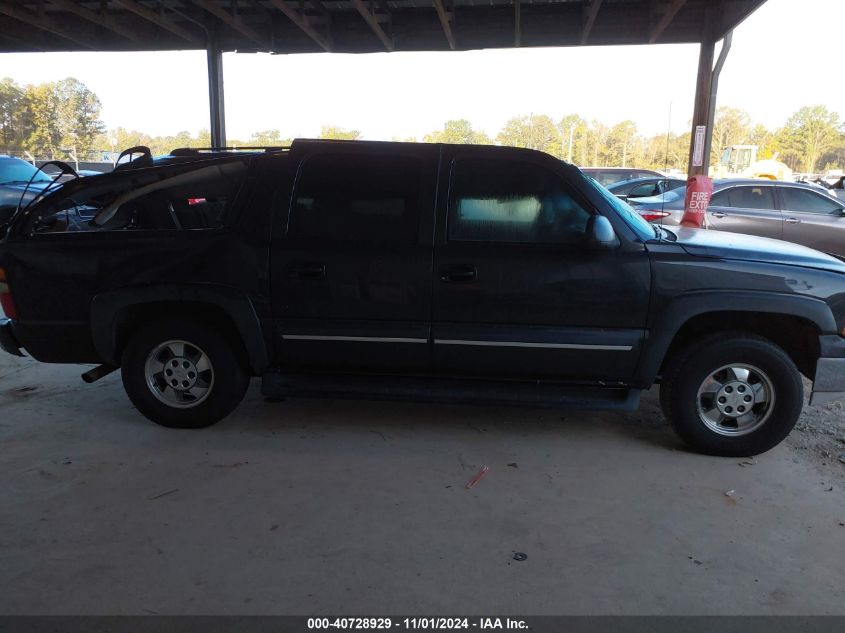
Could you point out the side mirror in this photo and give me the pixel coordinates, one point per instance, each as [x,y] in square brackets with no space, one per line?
[600,233]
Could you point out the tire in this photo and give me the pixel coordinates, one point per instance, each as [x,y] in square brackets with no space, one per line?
[706,389]
[209,375]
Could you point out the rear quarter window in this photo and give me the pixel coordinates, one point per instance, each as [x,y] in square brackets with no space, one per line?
[194,199]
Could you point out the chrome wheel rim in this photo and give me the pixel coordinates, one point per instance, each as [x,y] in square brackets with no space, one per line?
[179,374]
[735,400]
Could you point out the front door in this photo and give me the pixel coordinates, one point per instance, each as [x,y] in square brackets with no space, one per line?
[517,290]
[351,268]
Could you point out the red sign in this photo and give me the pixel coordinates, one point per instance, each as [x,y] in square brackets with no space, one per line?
[699,192]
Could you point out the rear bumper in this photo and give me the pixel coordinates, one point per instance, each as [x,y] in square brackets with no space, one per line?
[8,340]
[829,384]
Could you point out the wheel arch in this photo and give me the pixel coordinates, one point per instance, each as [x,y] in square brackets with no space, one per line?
[116,314]
[793,322]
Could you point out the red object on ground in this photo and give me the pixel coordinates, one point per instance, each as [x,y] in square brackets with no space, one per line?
[477,478]
[699,192]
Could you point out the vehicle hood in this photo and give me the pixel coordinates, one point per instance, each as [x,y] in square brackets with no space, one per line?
[724,245]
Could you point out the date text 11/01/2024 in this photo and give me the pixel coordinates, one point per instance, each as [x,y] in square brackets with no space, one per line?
[417,623]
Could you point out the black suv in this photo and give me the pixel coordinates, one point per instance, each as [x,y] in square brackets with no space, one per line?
[418,271]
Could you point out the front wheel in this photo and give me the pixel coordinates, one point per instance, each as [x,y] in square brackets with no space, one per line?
[732,395]
[183,375]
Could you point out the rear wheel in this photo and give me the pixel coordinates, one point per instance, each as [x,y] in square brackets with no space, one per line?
[183,375]
[732,395]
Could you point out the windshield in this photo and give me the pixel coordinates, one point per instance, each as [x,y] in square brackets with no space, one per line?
[16,170]
[631,218]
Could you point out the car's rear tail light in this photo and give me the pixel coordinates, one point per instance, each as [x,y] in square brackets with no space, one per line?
[653,214]
[6,297]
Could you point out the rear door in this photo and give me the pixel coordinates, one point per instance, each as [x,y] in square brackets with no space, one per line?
[517,293]
[813,219]
[749,209]
[351,265]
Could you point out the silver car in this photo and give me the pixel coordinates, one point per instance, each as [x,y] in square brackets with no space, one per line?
[788,211]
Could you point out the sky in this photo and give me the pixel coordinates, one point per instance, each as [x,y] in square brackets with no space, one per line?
[784,56]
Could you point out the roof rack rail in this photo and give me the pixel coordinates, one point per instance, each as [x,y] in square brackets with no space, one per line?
[191,151]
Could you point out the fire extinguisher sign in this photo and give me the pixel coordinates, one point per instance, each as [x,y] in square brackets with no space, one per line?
[698,147]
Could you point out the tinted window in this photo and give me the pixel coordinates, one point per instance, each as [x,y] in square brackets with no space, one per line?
[645,190]
[345,198]
[744,198]
[795,199]
[511,201]
[610,177]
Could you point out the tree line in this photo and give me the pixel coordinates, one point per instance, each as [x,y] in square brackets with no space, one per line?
[60,119]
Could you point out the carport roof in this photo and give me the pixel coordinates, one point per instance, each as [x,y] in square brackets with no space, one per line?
[358,26]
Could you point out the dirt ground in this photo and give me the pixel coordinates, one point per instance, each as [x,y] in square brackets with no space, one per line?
[317,507]
[820,436]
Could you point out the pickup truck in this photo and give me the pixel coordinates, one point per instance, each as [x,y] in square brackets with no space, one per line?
[416,271]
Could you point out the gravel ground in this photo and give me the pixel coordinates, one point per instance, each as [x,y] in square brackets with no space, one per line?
[820,435]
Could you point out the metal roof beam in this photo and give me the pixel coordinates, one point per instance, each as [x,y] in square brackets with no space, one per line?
[160,21]
[374,21]
[592,13]
[301,21]
[666,20]
[446,18]
[44,23]
[101,19]
[232,21]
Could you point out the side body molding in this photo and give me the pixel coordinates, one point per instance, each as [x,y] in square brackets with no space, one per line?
[108,307]
[678,311]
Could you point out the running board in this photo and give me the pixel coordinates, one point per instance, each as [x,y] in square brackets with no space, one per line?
[450,390]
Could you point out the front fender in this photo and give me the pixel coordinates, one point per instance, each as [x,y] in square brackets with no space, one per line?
[687,306]
[106,308]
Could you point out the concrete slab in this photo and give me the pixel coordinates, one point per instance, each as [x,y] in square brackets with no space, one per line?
[308,507]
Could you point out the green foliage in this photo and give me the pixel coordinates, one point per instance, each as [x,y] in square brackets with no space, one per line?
[14,120]
[458,131]
[339,133]
[731,126]
[536,131]
[53,119]
[58,119]
[268,138]
[573,133]
[807,135]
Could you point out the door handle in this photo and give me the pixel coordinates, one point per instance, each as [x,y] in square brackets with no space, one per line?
[460,274]
[718,214]
[792,221]
[307,270]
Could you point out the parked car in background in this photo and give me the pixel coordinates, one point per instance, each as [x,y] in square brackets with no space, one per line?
[20,182]
[644,187]
[790,211]
[609,175]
